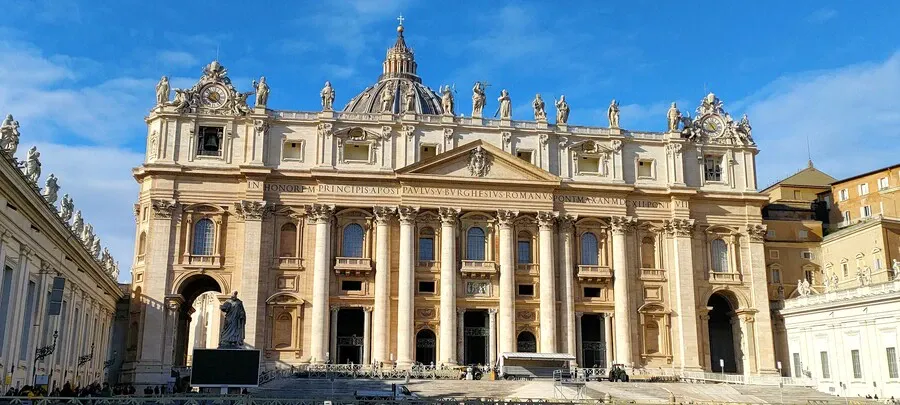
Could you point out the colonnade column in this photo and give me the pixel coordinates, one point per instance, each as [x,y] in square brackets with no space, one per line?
[252,212]
[567,262]
[579,353]
[608,339]
[382,314]
[321,215]
[447,352]
[680,231]
[367,334]
[548,282]
[507,332]
[406,287]
[492,336]
[620,225]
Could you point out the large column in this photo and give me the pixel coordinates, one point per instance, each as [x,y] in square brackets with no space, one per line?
[461,336]
[492,336]
[681,230]
[764,345]
[17,305]
[367,335]
[151,369]
[447,353]
[547,281]
[406,287]
[332,354]
[382,315]
[579,352]
[252,212]
[623,306]
[321,214]
[567,273]
[507,310]
[608,339]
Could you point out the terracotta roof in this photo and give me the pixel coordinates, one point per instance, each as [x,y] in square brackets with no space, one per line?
[810,176]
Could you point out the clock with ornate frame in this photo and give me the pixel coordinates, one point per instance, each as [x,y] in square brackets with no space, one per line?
[213,96]
[712,125]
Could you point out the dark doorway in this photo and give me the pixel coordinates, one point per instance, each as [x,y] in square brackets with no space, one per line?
[425,346]
[721,334]
[475,340]
[593,341]
[190,289]
[350,332]
[526,343]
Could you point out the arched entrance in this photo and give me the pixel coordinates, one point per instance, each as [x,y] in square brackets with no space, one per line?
[350,335]
[191,289]
[425,346]
[526,343]
[722,341]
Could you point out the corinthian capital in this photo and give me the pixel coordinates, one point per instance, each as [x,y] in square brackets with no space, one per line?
[252,210]
[407,214]
[320,213]
[546,218]
[448,215]
[162,209]
[756,232]
[383,214]
[505,217]
[679,226]
[567,222]
[622,224]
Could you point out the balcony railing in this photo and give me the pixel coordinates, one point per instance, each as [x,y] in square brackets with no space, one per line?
[290,263]
[203,260]
[587,272]
[724,278]
[527,267]
[478,268]
[428,265]
[353,266]
[653,274]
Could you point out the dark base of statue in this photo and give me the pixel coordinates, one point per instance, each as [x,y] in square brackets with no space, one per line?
[225,367]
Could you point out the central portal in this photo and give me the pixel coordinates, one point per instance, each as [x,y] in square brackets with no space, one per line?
[350,335]
[475,337]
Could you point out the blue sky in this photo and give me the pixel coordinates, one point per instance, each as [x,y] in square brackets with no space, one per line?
[79,76]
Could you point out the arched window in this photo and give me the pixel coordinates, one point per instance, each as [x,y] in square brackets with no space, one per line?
[526,343]
[283,328]
[353,241]
[142,244]
[287,241]
[426,244]
[475,244]
[523,248]
[204,238]
[589,249]
[719,256]
[648,253]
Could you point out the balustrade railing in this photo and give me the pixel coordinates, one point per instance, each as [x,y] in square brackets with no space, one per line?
[527,267]
[717,277]
[653,274]
[475,267]
[353,264]
[586,271]
[203,260]
[290,262]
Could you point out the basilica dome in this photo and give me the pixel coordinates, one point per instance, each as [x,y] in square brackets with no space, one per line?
[398,89]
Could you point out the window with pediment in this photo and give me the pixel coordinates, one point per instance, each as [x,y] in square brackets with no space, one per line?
[476,244]
[356,145]
[282,335]
[719,256]
[352,241]
[590,159]
[287,240]
[202,229]
[426,244]
[204,238]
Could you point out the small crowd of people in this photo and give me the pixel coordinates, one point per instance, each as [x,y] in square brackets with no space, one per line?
[91,390]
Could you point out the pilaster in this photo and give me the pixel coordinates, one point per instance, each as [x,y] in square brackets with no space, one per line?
[253,213]
[765,346]
[680,232]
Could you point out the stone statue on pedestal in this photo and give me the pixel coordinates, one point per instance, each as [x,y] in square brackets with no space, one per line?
[9,135]
[232,335]
[562,110]
[262,92]
[327,94]
[162,91]
[87,236]
[33,165]
[612,113]
[447,100]
[478,99]
[505,109]
[538,104]
[409,99]
[95,248]
[673,116]
[66,206]
[387,99]
[77,223]
[50,189]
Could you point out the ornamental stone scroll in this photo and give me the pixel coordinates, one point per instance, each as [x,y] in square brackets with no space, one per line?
[756,232]
[162,209]
[325,129]
[622,224]
[679,227]
[252,210]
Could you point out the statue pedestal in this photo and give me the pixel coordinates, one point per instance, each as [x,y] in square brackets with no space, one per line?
[260,109]
[615,131]
[562,127]
[477,121]
[386,117]
[505,122]
[447,119]
[408,116]
[542,124]
[329,114]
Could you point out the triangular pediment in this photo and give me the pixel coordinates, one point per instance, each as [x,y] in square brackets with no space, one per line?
[477,160]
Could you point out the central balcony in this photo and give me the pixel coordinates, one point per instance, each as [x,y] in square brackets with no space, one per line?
[353,266]
[724,278]
[478,269]
[202,261]
[289,263]
[588,272]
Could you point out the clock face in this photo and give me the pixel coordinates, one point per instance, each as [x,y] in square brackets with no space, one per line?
[213,96]
[713,125]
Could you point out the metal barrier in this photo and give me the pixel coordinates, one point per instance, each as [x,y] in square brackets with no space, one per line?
[249,400]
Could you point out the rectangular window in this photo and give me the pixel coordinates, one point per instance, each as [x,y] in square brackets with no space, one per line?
[882,183]
[843,195]
[846,216]
[209,141]
[776,275]
[857,366]
[863,189]
[645,168]
[426,249]
[427,151]
[892,362]
[5,296]
[589,165]
[523,252]
[845,269]
[526,290]
[803,234]
[773,254]
[798,195]
[426,287]
[351,285]
[798,370]
[292,150]
[712,168]
[865,211]
[591,292]
[876,263]
[524,155]
[826,371]
[807,255]
[355,152]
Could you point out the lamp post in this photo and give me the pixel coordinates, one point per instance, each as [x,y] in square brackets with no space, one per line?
[82,360]
[41,353]
[109,363]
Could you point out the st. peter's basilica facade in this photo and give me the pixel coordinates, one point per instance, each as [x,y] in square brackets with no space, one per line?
[397,230]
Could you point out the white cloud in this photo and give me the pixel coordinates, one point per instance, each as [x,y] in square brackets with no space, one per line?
[850,115]
[176,59]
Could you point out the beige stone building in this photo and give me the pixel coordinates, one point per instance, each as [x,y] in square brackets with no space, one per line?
[398,230]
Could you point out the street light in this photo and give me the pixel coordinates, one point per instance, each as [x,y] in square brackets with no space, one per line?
[41,353]
[780,382]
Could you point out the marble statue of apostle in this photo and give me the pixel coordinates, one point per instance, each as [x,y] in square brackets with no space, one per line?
[262,92]
[66,206]
[232,334]
[77,223]
[562,110]
[505,109]
[33,165]
[538,104]
[327,94]
[51,188]
[409,99]
[447,100]
[478,99]
[612,113]
[387,99]
[673,117]
[95,248]
[162,91]
[87,235]
[9,135]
